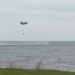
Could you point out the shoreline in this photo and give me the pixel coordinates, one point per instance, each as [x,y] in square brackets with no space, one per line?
[19,71]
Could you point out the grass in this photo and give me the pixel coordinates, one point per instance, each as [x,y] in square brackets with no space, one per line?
[15,71]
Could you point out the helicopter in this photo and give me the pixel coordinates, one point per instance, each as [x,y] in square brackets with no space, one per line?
[23,23]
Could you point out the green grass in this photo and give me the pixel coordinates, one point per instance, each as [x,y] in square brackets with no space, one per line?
[13,71]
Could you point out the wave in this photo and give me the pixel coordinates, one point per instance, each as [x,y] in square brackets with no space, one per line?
[24,42]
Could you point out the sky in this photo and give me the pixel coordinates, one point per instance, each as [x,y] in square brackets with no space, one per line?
[48,20]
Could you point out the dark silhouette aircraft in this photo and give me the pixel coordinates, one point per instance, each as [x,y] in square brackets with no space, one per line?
[23,22]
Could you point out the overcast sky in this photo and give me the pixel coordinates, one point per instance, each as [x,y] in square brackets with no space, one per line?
[48,20]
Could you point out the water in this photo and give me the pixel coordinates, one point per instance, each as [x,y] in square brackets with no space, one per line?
[56,55]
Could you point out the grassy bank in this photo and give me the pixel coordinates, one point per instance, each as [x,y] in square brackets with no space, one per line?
[32,72]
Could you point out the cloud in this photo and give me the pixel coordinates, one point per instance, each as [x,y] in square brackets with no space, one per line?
[47,18]
[22,5]
[47,9]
